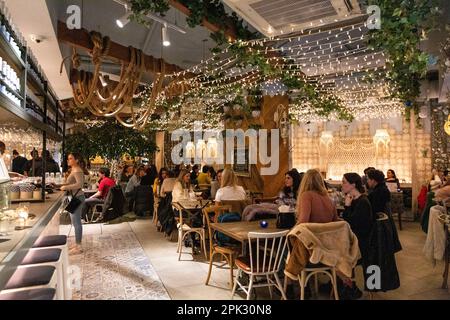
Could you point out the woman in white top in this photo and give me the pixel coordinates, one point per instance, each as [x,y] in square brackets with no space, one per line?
[168,184]
[435,182]
[229,188]
[74,187]
[183,183]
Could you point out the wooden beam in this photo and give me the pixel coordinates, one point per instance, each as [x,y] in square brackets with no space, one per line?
[80,38]
[229,32]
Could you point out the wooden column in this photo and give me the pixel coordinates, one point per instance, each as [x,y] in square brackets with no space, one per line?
[269,185]
[415,183]
[159,156]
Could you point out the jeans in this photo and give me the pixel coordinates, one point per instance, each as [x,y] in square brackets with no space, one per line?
[90,202]
[76,220]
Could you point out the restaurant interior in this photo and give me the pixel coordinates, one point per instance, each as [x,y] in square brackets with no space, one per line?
[224,150]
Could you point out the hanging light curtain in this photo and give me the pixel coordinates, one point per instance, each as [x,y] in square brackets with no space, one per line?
[211,148]
[200,149]
[190,150]
[381,137]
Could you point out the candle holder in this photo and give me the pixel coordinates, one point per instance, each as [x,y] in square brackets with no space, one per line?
[22,213]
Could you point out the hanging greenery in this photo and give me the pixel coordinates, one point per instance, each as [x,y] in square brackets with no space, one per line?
[211,10]
[140,8]
[404,23]
[110,140]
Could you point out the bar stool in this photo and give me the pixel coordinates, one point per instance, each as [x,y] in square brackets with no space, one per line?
[39,277]
[48,257]
[35,294]
[57,242]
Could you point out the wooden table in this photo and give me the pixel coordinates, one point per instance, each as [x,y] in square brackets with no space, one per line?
[89,192]
[240,230]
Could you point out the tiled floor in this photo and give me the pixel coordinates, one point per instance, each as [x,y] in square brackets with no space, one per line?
[186,279]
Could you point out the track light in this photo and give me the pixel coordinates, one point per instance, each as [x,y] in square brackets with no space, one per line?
[165,36]
[123,21]
[103,81]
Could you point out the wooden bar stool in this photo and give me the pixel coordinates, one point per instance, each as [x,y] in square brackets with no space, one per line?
[57,242]
[35,294]
[40,277]
[48,257]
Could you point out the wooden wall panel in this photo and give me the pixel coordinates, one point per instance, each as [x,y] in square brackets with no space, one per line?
[269,185]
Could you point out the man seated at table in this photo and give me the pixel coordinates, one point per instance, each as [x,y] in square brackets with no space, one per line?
[99,197]
[204,177]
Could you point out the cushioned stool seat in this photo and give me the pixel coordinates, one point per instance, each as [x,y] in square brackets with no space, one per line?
[50,241]
[30,277]
[42,256]
[35,294]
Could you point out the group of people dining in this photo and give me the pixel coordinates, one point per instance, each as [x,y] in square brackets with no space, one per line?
[306,194]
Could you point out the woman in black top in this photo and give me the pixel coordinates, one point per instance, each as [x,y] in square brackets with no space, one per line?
[391,177]
[358,212]
[380,196]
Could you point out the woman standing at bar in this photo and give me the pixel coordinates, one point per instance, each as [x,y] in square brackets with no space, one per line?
[74,187]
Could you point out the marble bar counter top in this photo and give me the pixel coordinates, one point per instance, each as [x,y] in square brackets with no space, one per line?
[15,244]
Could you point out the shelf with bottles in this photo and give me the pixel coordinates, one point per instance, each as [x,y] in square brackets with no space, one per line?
[34,109]
[12,42]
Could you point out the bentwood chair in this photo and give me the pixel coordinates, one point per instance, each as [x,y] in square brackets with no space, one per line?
[236,205]
[266,254]
[227,252]
[184,229]
[264,200]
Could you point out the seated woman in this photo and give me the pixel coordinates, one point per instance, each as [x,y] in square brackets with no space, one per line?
[168,184]
[435,181]
[313,203]
[126,174]
[287,196]
[163,173]
[216,183]
[150,175]
[392,178]
[230,190]
[181,186]
[358,212]
[134,181]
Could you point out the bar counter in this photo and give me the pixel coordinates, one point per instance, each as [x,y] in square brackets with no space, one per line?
[16,245]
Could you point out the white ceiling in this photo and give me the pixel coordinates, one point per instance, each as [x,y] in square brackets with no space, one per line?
[41,16]
[33,17]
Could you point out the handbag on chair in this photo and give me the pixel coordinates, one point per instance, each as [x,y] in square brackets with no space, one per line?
[286,220]
[74,203]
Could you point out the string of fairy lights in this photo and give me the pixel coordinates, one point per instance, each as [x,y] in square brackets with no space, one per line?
[336,62]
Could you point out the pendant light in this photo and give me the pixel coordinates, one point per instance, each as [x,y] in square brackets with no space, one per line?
[165,36]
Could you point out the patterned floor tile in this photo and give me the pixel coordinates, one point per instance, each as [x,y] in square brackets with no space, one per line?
[114,267]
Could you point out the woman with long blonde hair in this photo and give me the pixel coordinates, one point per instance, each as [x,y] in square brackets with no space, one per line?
[313,203]
[230,190]
[183,182]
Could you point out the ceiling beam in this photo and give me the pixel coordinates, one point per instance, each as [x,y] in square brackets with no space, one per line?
[80,38]
[230,33]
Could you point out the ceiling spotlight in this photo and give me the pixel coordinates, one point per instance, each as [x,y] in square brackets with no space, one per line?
[165,36]
[123,21]
[103,81]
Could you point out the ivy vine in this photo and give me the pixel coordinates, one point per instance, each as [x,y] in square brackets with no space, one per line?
[211,10]
[404,23]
